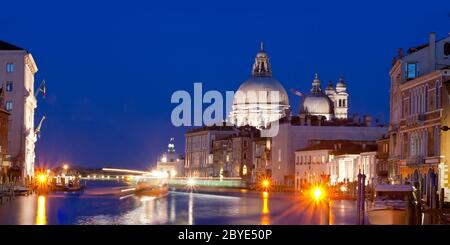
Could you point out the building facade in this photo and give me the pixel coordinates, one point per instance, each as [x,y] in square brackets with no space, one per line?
[17,69]
[5,159]
[445,135]
[293,136]
[171,162]
[385,172]
[199,161]
[334,161]
[416,112]
[232,156]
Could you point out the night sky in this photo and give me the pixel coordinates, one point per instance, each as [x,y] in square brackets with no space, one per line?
[111,68]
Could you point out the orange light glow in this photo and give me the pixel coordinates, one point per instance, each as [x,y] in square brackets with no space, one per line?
[42,178]
[265,217]
[317,193]
[41,218]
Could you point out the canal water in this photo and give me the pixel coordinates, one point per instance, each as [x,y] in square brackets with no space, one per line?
[98,205]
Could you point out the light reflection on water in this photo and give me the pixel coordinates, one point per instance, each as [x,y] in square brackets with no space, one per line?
[41,218]
[100,207]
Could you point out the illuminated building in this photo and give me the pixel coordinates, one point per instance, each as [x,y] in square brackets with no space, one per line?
[5,162]
[297,134]
[323,115]
[384,170]
[232,156]
[171,162]
[253,104]
[17,69]
[331,103]
[261,149]
[199,149]
[334,161]
[445,136]
[416,113]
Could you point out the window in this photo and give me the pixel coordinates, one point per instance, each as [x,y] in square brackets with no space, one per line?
[9,86]
[343,102]
[10,67]
[447,49]
[279,155]
[411,70]
[438,95]
[9,105]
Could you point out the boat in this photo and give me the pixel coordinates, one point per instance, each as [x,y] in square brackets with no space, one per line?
[390,203]
[151,186]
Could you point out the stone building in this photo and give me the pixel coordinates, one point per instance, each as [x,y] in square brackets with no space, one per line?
[17,69]
[171,162]
[334,161]
[199,161]
[416,112]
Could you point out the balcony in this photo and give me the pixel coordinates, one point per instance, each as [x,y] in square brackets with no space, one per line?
[414,160]
[415,120]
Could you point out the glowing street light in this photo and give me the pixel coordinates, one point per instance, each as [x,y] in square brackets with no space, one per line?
[191,182]
[65,167]
[318,193]
[42,178]
[265,184]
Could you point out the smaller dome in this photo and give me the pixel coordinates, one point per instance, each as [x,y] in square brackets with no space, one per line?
[340,86]
[317,104]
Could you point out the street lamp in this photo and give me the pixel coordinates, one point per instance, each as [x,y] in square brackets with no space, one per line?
[318,193]
[265,183]
[65,167]
[42,178]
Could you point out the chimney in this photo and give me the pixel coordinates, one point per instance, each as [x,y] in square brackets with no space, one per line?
[432,47]
[356,118]
[368,121]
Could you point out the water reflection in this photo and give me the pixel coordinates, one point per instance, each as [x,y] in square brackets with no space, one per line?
[265,217]
[236,208]
[191,209]
[41,217]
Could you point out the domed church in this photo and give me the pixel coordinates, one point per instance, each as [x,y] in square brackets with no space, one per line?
[253,103]
[333,103]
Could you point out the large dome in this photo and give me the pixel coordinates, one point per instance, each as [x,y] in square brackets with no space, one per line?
[253,103]
[261,84]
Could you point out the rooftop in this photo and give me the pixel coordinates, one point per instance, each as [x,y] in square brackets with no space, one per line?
[341,147]
[7,46]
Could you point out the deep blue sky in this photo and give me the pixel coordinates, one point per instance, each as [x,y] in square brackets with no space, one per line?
[111,68]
